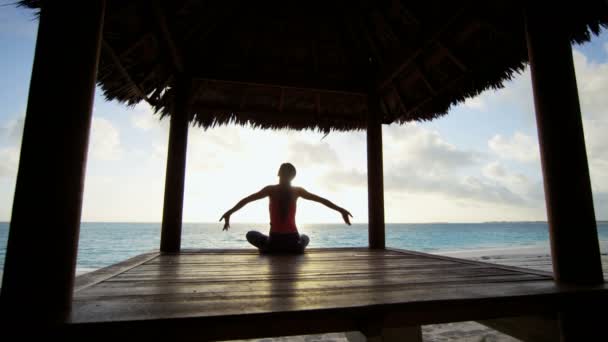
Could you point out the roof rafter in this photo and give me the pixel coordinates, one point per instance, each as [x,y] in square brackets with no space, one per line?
[429,98]
[110,51]
[161,21]
[388,74]
[452,57]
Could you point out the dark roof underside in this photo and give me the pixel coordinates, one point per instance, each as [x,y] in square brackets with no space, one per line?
[310,64]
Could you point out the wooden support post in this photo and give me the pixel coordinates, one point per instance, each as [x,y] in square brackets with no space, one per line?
[572,226]
[176,168]
[45,223]
[375,183]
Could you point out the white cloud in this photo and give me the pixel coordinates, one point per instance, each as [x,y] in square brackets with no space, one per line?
[419,161]
[12,131]
[520,147]
[518,183]
[105,140]
[335,179]
[597,152]
[592,82]
[9,160]
[144,118]
[424,148]
[312,153]
[10,136]
[475,103]
[212,149]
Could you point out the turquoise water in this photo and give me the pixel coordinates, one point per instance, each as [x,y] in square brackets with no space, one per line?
[103,244]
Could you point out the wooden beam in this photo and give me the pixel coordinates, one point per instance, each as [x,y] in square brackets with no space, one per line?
[254,76]
[45,220]
[244,98]
[452,57]
[399,97]
[426,81]
[370,42]
[282,100]
[403,109]
[318,103]
[167,38]
[176,167]
[282,86]
[125,74]
[135,45]
[375,182]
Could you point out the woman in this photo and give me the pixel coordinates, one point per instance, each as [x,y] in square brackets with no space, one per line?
[284,236]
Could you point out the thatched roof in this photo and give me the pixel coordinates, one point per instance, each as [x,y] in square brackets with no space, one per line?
[311,64]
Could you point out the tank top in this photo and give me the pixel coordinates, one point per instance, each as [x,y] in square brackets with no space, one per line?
[277,225]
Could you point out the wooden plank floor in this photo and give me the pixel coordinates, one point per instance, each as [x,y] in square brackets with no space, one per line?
[223,294]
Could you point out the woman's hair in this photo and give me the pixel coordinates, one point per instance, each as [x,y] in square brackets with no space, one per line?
[287,171]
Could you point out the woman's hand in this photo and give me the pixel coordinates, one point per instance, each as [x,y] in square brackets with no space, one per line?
[345,215]
[226,218]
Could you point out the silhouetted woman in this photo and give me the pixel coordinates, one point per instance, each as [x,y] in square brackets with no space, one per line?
[284,236]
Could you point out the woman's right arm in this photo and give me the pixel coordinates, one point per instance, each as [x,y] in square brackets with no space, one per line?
[253,197]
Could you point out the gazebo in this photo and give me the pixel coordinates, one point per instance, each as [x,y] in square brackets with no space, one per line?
[319,65]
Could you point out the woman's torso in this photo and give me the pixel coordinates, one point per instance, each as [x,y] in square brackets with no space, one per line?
[282,207]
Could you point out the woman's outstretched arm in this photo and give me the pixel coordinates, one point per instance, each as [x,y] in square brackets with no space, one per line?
[312,197]
[253,197]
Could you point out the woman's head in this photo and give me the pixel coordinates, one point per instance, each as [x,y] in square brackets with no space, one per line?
[287,172]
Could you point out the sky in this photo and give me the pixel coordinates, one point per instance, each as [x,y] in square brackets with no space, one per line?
[479,163]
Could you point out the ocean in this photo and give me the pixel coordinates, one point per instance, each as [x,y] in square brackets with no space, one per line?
[102,244]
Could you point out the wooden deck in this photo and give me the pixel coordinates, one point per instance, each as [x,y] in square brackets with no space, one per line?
[229,294]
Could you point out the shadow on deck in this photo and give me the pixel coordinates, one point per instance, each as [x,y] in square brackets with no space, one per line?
[230,294]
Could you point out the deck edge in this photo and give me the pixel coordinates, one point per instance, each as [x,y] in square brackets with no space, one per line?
[475,262]
[89,279]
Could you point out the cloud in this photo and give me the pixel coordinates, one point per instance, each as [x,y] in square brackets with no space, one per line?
[312,154]
[597,152]
[211,149]
[475,103]
[517,182]
[337,179]
[520,147]
[592,82]
[465,188]
[419,161]
[12,131]
[105,140]
[9,160]
[424,149]
[143,117]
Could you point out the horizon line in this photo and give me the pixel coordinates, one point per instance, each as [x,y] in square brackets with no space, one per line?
[336,223]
